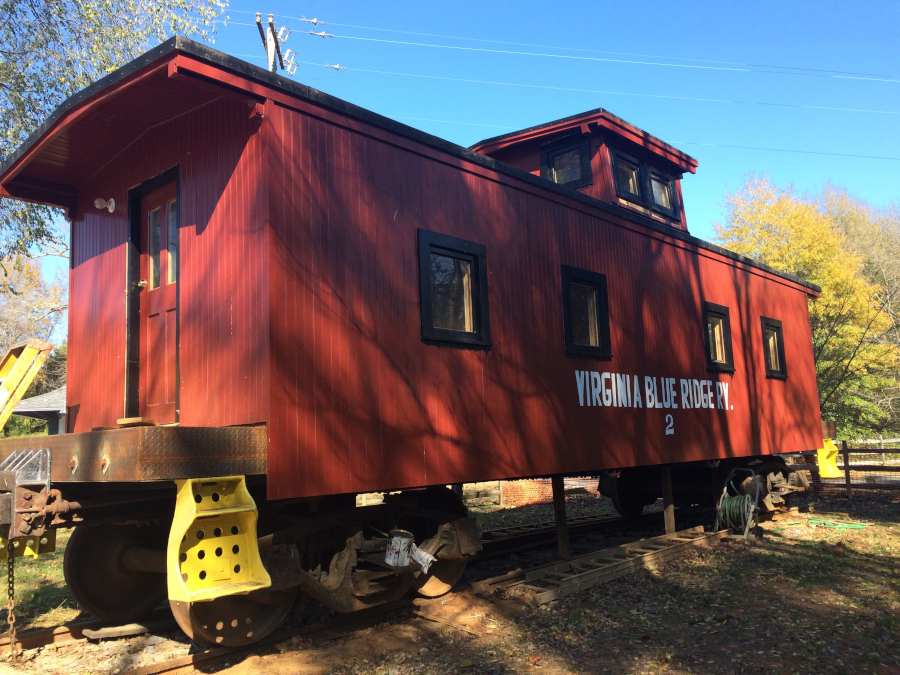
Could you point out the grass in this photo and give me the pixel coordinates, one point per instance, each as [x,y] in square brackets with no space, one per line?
[42,599]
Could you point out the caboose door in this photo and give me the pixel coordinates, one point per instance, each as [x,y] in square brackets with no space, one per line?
[158,371]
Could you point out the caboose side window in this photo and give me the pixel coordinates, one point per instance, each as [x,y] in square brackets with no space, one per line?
[451,293]
[568,162]
[717,338]
[585,313]
[453,299]
[773,348]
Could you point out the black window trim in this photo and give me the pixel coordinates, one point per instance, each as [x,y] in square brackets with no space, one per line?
[619,156]
[774,324]
[645,171]
[722,312]
[571,142]
[598,281]
[442,244]
[672,213]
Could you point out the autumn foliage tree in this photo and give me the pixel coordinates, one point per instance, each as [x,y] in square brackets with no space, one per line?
[50,49]
[31,307]
[823,240]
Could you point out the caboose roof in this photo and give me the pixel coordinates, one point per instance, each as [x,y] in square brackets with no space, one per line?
[598,117]
[94,126]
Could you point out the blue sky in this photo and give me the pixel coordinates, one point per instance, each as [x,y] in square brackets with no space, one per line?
[816,54]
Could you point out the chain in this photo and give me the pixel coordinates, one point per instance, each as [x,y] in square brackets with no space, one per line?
[11,591]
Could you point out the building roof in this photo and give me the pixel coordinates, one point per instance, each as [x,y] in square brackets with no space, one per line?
[39,181]
[52,401]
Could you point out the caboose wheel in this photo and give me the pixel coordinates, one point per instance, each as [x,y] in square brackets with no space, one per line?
[98,579]
[235,620]
[442,576]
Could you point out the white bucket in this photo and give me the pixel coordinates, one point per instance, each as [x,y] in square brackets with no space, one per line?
[398,549]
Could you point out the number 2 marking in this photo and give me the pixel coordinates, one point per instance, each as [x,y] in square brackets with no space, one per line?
[670,426]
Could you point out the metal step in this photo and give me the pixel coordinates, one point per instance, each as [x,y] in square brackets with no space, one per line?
[556,580]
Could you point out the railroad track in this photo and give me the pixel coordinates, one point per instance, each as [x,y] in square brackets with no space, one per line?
[339,624]
[508,540]
[502,541]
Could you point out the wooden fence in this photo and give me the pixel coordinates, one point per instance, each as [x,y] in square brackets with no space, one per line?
[864,468]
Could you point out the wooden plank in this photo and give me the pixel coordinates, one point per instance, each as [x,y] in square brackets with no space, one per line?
[615,555]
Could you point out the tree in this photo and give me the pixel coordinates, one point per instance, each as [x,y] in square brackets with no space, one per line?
[854,345]
[50,49]
[30,307]
[874,236]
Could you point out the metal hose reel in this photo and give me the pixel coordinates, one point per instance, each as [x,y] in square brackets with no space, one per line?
[738,511]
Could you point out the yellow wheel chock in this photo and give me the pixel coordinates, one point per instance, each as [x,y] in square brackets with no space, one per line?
[828,460]
[30,546]
[212,549]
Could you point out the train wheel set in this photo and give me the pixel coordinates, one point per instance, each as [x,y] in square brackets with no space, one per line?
[332,552]
[232,572]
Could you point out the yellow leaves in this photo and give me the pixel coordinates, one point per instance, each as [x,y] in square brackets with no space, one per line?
[777,228]
[832,241]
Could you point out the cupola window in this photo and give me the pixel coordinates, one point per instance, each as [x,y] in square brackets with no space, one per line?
[567,162]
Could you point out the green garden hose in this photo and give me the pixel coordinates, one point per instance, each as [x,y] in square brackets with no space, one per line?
[835,525]
[735,511]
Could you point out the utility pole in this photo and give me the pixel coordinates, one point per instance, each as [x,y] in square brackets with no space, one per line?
[272,40]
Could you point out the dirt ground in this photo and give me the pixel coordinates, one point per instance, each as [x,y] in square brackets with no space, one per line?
[805,598]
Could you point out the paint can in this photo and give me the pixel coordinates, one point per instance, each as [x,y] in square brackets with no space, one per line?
[398,549]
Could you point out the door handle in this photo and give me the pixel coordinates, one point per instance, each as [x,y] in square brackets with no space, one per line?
[141,285]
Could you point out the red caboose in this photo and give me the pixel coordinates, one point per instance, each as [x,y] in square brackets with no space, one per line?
[276,291]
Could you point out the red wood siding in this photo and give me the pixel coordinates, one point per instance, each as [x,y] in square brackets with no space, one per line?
[359,402]
[223,284]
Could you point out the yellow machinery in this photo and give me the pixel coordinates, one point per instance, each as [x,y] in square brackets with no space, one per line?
[17,371]
[212,549]
[828,460]
[26,469]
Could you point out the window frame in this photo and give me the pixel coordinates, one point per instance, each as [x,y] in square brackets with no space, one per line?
[673,193]
[646,171]
[776,325]
[617,156]
[551,150]
[476,254]
[571,274]
[721,312]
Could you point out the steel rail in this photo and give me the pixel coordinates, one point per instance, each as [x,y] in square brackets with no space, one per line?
[508,540]
[498,542]
[558,579]
[342,623]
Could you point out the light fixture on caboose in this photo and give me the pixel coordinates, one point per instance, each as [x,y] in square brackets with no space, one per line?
[109,204]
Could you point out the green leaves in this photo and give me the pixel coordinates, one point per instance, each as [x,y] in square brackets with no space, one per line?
[50,49]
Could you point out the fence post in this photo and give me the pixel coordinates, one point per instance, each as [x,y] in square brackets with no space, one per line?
[846,454]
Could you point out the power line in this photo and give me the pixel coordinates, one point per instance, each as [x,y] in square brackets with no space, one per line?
[597,58]
[825,72]
[801,152]
[552,56]
[620,93]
